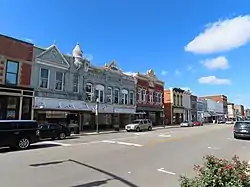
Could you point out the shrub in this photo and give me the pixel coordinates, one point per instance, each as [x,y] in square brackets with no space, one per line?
[218,172]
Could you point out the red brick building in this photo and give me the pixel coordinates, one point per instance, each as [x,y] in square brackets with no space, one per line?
[150,96]
[16,96]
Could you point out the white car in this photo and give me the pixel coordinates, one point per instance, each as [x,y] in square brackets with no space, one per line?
[229,122]
[187,124]
[139,125]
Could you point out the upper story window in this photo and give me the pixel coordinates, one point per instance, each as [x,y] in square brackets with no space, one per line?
[175,100]
[131,98]
[89,92]
[124,97]
[109,95]
[178,100]
[139,95]
[76,83]
[59,81]
[12,72]
[160,98]
[143,95]
[116,95]
[99,93]
[181,98]
[44,78]
[151,96]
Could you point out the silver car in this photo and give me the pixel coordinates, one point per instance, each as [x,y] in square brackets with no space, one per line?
[139,125]
[187,124]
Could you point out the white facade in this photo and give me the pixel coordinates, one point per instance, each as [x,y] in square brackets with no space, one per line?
[231,111]
[211,105]
[186,101]
[219,107]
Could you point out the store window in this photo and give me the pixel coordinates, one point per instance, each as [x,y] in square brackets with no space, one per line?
[12,109]
[26,108]
[12,72]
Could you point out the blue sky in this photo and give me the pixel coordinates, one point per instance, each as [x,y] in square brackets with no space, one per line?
[140,35]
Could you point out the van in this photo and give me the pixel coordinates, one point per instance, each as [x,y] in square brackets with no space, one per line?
[18,133]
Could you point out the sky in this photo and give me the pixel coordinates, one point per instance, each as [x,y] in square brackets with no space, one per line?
[198,45]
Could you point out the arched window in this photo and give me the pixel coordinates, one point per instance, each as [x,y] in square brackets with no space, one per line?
[99,93]
[109,95]
[89,92]
[116,96]
[124,96]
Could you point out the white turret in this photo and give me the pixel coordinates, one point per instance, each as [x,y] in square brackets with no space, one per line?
[77,54]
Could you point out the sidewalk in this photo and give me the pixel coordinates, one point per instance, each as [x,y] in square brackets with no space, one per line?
[87,133]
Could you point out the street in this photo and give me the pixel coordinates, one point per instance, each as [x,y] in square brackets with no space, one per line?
[145,159]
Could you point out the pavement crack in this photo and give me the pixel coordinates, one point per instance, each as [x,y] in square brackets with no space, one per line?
[48,163]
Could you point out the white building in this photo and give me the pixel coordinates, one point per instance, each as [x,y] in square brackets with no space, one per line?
[186,100]
[231,111]
[200,109]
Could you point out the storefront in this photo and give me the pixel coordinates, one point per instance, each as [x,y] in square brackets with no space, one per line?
[124,114]
[178,115]
[69,112]
[16,103]
[154,114]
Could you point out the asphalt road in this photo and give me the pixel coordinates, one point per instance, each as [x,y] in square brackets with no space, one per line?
[145,159]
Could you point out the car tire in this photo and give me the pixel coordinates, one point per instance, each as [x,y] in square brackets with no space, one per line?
[62,136]
[23,143]
[128,130]
[149,128]
[138,129]
[236,137]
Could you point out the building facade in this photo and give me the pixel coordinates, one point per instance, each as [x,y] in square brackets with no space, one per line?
[150,92]
[68,89]
[16,95]
[239,111]
[173,106]
[219,98]
[247,113]
[231,111]
[193,100]
[186,100]
[200,110]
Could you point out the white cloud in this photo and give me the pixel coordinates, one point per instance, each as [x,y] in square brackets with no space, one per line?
[177,72]
[164,72]
[213,80]
[220,62]
[223,35]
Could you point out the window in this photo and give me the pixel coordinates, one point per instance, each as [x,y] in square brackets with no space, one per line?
[156,97]
[75,83]
[116,101]
[131,98]
[175,100]
[89,91]
[99,93]
[160,98]
[109,95]
[12,72]
[143,95]
[151,96]
[178,100]
[139,95]
[124,97]
[44,78]
[59,81]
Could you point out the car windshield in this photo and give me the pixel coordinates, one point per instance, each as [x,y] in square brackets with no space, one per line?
[242,124]
[136,121]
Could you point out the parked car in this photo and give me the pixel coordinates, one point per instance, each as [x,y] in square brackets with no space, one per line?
[18,133]
[139,125]
[241,129]
[187,124]
[54,131]
[220,121]
[229,122]
[197,123]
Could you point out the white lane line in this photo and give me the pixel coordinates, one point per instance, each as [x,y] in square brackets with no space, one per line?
[165,135]
[141,133]
[215,148]
[125,138]
[51,143]
[167,172]
[108,141]
[132,144]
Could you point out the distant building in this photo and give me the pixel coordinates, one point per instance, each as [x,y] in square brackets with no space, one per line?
[231,111]
[239,110]
[193,100]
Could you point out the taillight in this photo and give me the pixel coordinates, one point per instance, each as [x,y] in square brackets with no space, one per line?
[234,129]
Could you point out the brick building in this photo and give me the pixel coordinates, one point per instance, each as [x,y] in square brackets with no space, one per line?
[150,96]
[239,110]
[218,98]
[16,96]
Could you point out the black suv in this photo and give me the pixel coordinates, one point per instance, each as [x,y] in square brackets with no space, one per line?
[53,130]
[18,133]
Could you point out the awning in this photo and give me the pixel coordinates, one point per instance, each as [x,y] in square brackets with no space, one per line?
[206,115]
[125,110]
[212,113]
[60,104]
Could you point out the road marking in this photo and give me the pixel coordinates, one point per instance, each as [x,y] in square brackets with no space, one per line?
[51,143]
[132,144]
[215,148]
[164,171]
[142,133]
[165,135]
[108,141]
[125,138]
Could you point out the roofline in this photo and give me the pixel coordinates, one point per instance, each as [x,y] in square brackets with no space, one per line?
[19,40]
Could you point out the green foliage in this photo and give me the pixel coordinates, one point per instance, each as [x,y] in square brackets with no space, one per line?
[218,172]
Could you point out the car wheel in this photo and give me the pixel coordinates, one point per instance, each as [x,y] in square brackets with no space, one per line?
[23,143]
[236,137]
[138,129]
[62,136]
[149,128]
[128,130]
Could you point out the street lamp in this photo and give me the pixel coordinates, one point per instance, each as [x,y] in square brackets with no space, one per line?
[96,115]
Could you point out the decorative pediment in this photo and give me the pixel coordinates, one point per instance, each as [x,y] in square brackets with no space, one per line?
[112,66]
[53,55]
